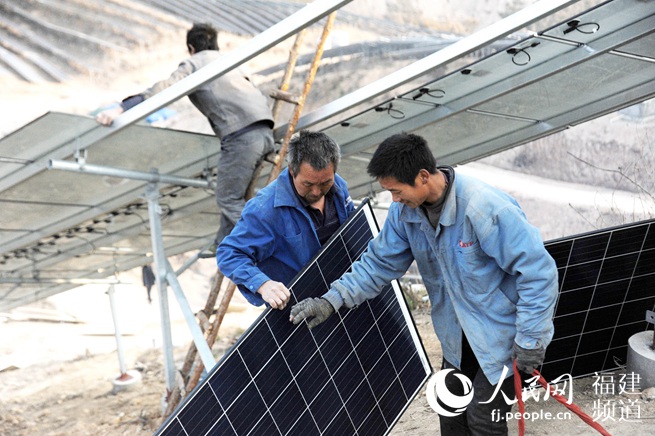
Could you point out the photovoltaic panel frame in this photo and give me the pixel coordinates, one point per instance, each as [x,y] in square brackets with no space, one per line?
[354,374]
[607,282]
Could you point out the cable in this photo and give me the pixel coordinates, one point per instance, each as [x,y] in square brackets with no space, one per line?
[521,50]
[393,113]
[586,28]
[434,93]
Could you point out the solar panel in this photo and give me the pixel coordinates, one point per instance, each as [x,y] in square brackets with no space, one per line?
[493,104]
[85,226]
[607,282]
[354,374]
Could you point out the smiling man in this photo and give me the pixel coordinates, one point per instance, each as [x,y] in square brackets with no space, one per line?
[492,285]
[287,222]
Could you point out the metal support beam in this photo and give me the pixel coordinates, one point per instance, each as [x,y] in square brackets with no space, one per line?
[152,177]
[578,54]
[260,43]
[442,57]
[164,274]
[154,211]
[117,330]
[193,259]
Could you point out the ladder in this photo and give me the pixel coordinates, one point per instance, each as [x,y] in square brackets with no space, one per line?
[210,319]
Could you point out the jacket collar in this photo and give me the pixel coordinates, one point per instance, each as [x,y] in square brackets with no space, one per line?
[284,193]
[449,211]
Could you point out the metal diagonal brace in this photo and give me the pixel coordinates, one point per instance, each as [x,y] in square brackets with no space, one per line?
[164,275]
[198,337]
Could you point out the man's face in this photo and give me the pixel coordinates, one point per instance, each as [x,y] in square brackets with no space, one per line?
[313,184]
[412,196]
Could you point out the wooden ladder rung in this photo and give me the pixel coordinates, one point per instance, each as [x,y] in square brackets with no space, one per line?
[278,94]
[272,157]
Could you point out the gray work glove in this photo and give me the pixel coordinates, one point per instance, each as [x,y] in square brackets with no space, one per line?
[316,310]
[527,360]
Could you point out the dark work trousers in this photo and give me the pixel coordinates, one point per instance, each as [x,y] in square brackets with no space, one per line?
[477,420]
[237,162]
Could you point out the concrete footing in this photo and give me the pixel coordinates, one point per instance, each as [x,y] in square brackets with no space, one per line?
[128,380]
[641,358]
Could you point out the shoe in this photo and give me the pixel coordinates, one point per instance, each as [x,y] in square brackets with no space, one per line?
[208,253]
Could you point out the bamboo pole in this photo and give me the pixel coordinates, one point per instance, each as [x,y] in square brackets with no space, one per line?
[213,334]
[288,72]
[275,171]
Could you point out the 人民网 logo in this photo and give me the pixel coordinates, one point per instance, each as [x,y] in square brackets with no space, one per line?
[444,402]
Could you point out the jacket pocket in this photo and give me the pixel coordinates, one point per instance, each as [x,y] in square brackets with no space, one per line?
[479,272]
[292,232]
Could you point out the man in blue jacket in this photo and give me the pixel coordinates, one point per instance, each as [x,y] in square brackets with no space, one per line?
[287,222]
[491,283]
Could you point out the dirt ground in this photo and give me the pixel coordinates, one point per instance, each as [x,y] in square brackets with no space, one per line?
[56,377]
[75,396]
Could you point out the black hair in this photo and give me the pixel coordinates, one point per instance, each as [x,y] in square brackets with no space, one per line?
[202,36]
[315,148]
[402,156]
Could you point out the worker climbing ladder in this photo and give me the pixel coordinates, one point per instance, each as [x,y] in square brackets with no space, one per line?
[192,367]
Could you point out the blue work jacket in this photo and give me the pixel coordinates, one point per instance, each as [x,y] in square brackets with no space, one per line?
[485,268]
[275,237]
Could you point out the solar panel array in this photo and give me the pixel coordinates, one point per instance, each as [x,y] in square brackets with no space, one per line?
[499,102]
[607,282]
[56,226]
[88,227]
[354,374]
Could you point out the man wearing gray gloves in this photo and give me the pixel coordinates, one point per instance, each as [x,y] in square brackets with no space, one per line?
[492,284]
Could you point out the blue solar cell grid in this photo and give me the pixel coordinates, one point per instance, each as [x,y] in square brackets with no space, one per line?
[607,282]
[354,374]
